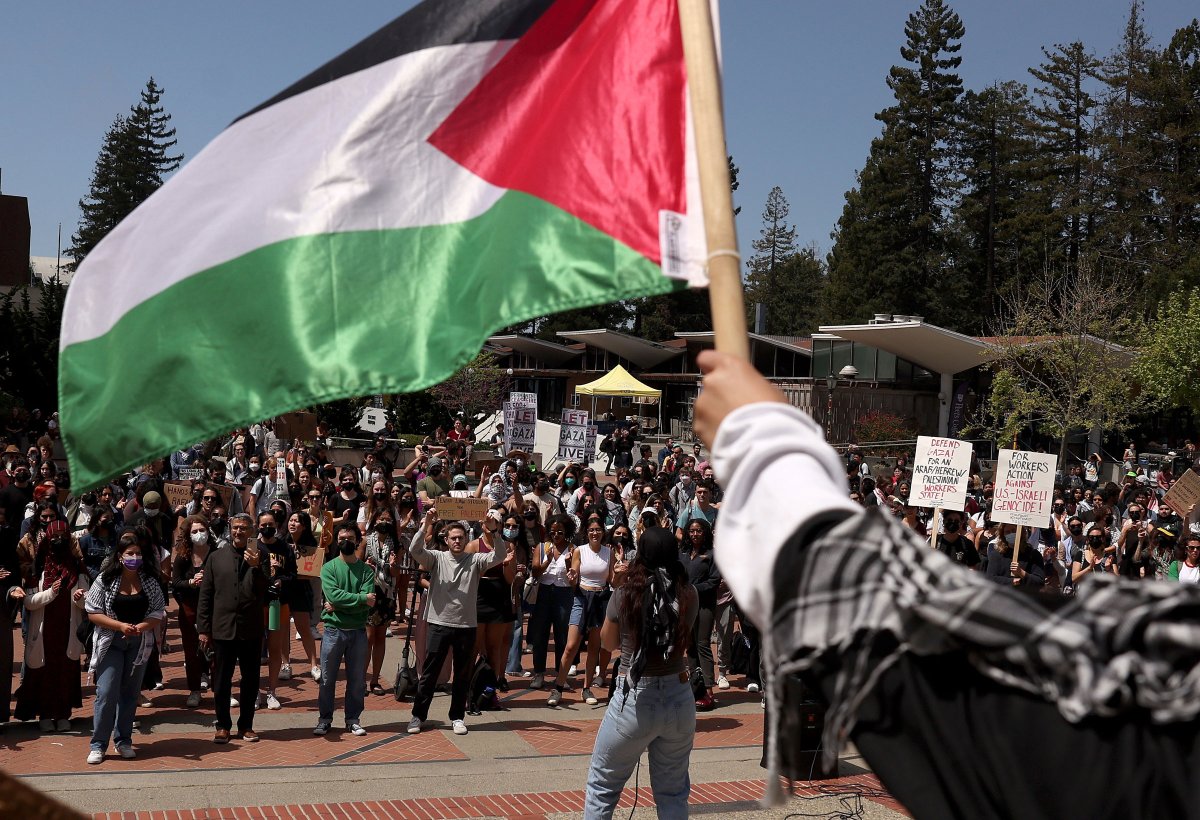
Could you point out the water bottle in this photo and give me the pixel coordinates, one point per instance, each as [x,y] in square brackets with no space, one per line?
[273,615]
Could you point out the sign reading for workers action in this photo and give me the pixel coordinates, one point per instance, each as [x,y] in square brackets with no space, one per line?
[940,471]
[1184,492]
[572,436]
[462,509]
[1024,488]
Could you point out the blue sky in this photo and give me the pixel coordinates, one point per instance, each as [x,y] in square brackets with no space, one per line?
[803,80]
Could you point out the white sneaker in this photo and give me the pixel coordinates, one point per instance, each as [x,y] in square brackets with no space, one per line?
[356,730]
[316,673]
[62,725]
[193,700]
[158,686]
[285,671]
[572,671]
[555,697]
[722,682]
[145,701]
[460,728]
[273,702]
[388,632]
[537,682]
[295,636]
[261,703]
[414,726]
[752,687]
[95,756]
[127,751]
[588,697]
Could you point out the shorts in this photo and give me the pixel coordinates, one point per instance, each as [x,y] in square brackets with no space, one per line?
[588,608]
[297,595]
[494,602]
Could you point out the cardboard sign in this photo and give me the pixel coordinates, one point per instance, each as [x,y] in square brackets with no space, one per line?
[462,509]
[941,471]
[523,400]
[520,429]
[1024,488]
[296,425]
[190,473]
[310,565]
[589,454]
[178,493]
[572,436]
[1184,492]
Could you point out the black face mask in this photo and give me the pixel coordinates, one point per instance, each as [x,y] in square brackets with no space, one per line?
[1095,541]
[380,496]
[953,525]
[1076,530]
[383,526]
[1135,516]
[347,547]
[217,524]
[435,471]
[88,499]
[267,531]
[543,486]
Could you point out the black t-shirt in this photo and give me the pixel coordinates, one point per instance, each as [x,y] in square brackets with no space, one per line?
[14,500]
[340,505]
[961,550]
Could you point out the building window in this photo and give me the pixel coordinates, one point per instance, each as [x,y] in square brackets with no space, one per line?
[626,401]
[575,400]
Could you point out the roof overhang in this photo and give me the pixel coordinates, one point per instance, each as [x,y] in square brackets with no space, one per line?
[641,352]
[934,348]
[551,353]
[708,336]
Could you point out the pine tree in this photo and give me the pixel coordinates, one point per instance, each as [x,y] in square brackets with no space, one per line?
[132,162]
[1068,168]
[1002,219]
[776,242]
[892,251]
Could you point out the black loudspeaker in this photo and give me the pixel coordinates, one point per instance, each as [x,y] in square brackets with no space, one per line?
[803,722]
[14,241]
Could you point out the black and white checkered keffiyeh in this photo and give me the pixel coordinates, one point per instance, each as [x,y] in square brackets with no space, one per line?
[869,590]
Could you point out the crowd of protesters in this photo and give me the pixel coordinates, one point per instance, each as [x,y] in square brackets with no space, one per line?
[95,581]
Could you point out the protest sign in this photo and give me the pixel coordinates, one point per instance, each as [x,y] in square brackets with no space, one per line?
[520,427]
[309,561]
[1024,488]
[572,436]
[190,473]
[178,493]
[1184,492]
[450,508]
[941,470]
[589,454]
[299,425]
[523,400]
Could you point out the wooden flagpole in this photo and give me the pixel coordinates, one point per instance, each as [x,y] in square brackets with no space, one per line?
[726,304]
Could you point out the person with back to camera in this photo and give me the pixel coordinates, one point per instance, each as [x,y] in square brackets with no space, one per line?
[649,619]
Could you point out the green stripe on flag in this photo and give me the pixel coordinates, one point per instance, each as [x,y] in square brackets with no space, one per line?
[326,317]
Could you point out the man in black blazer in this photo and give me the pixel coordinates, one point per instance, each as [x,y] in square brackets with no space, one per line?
[229,621]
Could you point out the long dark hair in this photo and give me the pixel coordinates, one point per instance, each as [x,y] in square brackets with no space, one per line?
[113,566]
[656,550]
[706,542]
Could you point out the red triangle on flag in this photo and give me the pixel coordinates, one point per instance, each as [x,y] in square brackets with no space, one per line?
[585,111]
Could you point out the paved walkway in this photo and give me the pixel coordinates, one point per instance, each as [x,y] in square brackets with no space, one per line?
[527,761]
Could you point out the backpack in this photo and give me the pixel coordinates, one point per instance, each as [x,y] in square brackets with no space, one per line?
[481,693]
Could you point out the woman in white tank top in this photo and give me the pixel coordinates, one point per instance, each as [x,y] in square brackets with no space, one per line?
[590,572]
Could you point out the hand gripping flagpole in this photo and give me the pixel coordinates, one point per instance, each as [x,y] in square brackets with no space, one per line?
[724,263]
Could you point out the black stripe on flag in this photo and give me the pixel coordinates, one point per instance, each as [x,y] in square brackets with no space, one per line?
[431,23]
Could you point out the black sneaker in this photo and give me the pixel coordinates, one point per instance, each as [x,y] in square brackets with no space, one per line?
[321,729]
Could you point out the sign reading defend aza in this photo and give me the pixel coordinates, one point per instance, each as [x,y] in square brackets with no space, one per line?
[941,470]
[1024,488]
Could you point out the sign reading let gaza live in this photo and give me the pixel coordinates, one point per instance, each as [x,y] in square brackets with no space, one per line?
[1024,488]
[572,436]
[940,472]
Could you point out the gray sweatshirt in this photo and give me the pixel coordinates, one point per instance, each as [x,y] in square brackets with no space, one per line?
[454,581]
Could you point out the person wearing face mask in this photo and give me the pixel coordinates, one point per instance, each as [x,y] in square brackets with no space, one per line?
[80,512]
[547,502]
[19,492]
[98,543]
[1133,544]
[348,586]
[264,489]
[953,543]
[451,612]
[281,571]
[587,491]
[158,520]
[382,552]
[1094,559]
[54,607]
[1027,570]
[684,490]
[379,501]
[435,483]
[229,621]
[494,606]
[126,605]
[187,573]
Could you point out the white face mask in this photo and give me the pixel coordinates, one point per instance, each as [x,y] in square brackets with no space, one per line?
[151,513]
[199,538]
[254,468]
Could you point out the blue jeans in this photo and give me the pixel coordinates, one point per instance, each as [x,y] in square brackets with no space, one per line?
[659,715]
[336,644]
[118,683]
[513,667]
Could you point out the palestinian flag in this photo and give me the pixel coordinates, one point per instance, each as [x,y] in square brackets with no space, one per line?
[472,165]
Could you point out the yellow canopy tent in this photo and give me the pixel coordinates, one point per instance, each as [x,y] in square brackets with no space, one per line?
[619,382]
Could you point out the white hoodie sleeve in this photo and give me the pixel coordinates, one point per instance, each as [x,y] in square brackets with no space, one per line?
[778,474]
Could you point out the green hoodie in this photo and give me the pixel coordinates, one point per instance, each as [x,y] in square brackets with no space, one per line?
[346,586]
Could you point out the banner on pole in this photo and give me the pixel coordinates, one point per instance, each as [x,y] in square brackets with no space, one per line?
[941,470]
[1024,488]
